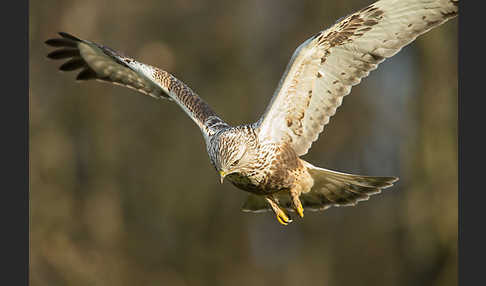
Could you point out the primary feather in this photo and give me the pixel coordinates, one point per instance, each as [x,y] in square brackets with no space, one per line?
[325,67]
[104,64]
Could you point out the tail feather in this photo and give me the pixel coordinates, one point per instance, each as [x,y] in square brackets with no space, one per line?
[255,204]
[333,188]
[330,188]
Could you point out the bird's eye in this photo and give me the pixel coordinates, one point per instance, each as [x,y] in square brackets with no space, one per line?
[235,163]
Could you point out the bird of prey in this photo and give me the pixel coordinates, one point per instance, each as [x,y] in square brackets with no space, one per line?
[263,158]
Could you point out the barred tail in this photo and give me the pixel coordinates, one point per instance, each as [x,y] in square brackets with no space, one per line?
[333,188]
[330,188]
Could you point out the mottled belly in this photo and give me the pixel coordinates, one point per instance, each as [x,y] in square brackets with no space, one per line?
[279,171]
[251,185]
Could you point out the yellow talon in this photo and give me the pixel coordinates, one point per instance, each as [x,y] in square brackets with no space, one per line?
[281,221]
[283,218]
[300,210]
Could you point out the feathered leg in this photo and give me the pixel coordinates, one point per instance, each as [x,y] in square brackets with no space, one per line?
[294,195]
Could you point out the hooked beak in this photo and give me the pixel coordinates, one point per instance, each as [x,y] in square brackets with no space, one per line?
[222,174]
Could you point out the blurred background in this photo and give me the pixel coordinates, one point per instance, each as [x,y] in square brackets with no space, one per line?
[122,191]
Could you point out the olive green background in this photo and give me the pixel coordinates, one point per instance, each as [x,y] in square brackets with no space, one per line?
[122,191]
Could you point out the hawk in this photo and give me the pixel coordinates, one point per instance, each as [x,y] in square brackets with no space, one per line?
[263,158]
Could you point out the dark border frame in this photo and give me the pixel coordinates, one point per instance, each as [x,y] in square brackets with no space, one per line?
[15,123]
[14,120]
[471,128]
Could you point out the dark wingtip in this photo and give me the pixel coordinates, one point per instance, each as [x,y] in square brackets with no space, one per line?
[63,54]
[86,74]
[72,64]
[69,36]
[61,43]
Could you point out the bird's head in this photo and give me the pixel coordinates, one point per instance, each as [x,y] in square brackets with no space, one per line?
[234,152]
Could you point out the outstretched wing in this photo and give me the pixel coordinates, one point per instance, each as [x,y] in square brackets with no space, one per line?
[104,64]
[324,68]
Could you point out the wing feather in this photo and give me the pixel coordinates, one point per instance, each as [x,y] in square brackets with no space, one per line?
[325,67]
[104,64]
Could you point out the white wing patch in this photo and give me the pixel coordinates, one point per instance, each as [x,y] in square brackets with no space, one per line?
[325,67]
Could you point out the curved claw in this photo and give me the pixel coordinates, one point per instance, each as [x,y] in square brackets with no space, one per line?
[283,218]
[300,210]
